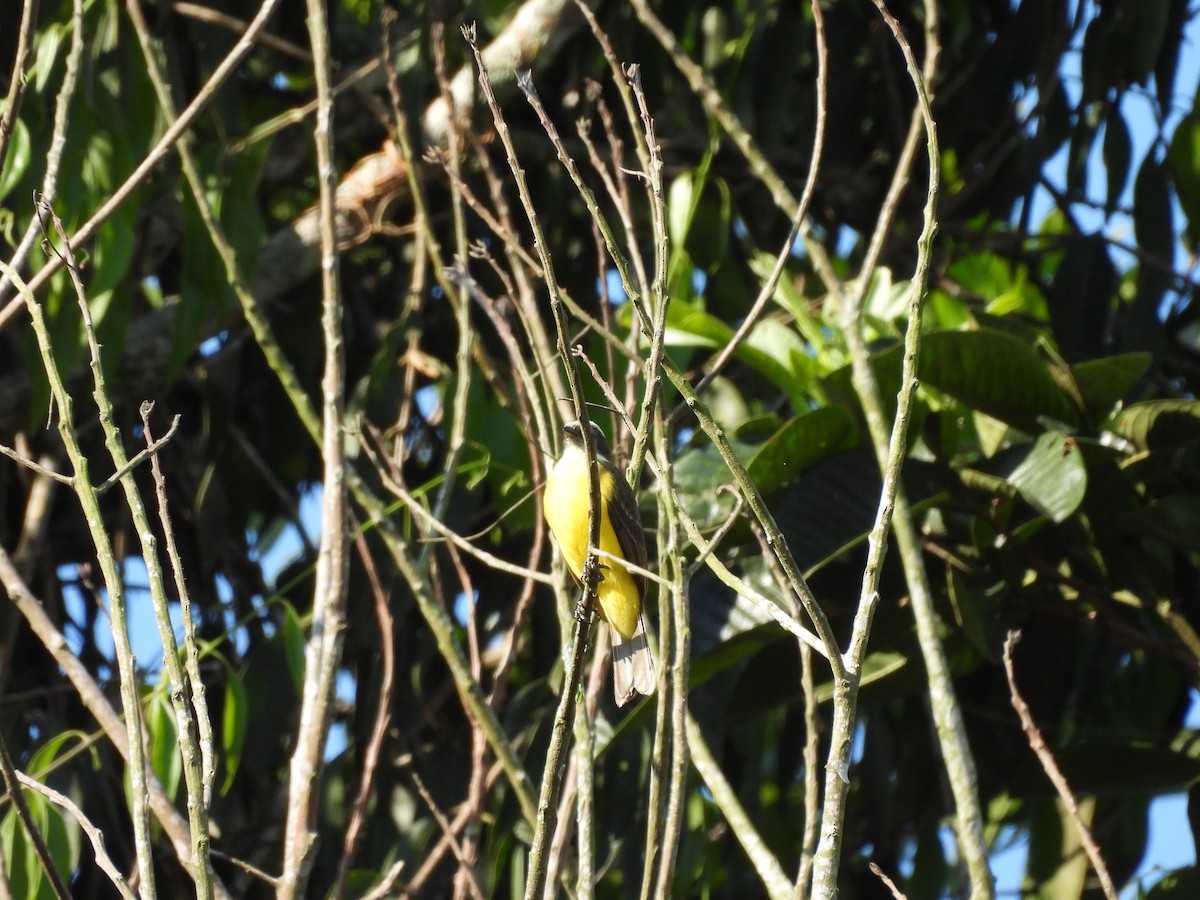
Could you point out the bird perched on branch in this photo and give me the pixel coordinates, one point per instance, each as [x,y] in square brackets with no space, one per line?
[566,502]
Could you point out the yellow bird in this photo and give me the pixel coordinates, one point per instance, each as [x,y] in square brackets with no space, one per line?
[619,593]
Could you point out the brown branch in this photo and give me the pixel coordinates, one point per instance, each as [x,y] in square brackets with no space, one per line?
[1038,745]
[370,759]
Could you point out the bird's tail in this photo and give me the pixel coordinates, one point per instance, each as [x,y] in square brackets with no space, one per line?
[633,666]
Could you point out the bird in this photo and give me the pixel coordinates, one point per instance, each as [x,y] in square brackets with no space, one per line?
[566,501]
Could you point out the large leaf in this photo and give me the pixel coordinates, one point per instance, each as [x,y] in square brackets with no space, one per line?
[1052,477]
[799,443]
[767,348]
[1105,381]
[234,719]
[164,742]
[995,373]
[1082,296]
[1175,519]
[1116,767]
[1117,152]
[832,506]
[17,160]
[1184,158]
[1159,424]
[1152,208]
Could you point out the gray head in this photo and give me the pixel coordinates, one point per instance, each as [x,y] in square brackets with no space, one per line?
[573,432]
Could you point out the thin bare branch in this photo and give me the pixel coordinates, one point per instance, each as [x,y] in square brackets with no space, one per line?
[1038,745]
[324,647]
[12,784]
[95,835]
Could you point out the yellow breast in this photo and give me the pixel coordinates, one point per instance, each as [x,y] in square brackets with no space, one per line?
[565,502]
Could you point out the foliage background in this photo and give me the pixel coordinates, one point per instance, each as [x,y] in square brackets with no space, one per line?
[1052,462]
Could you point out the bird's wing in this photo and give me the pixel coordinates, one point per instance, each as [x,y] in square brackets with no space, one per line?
[626,521]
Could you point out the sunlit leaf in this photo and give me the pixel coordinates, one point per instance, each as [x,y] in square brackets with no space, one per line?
[234,717]
[16,162]
[293,643]
[1159,424]
[164,742]
[1052,477]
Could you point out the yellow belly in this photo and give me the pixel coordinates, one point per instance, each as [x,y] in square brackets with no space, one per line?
[565,502]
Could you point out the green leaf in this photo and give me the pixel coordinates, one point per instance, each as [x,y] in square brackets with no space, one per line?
[831,506]
[768,348]
[1052,477]
[972,611]
[799,443]
[1116,767]
[679,208]
[1117,152]
[54,830]
[995,373]
[46,754]
[1152,209]
[1105,381]
[234,719]
[708,232]
[164,742]
[1180,884]
[1174,519]
[16,162]
[1183,155]
[16,858]
[1141,26]
[699,473]
[1081,297]
[47,50]
[1056,864]
[886,300]
[1159,424]
[293,643]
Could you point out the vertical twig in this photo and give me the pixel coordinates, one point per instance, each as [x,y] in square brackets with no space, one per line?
[89,500]
[812,782]
[191,648]
[552,777]
[677,610]
[329,596]
[370,757]
[890,453]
